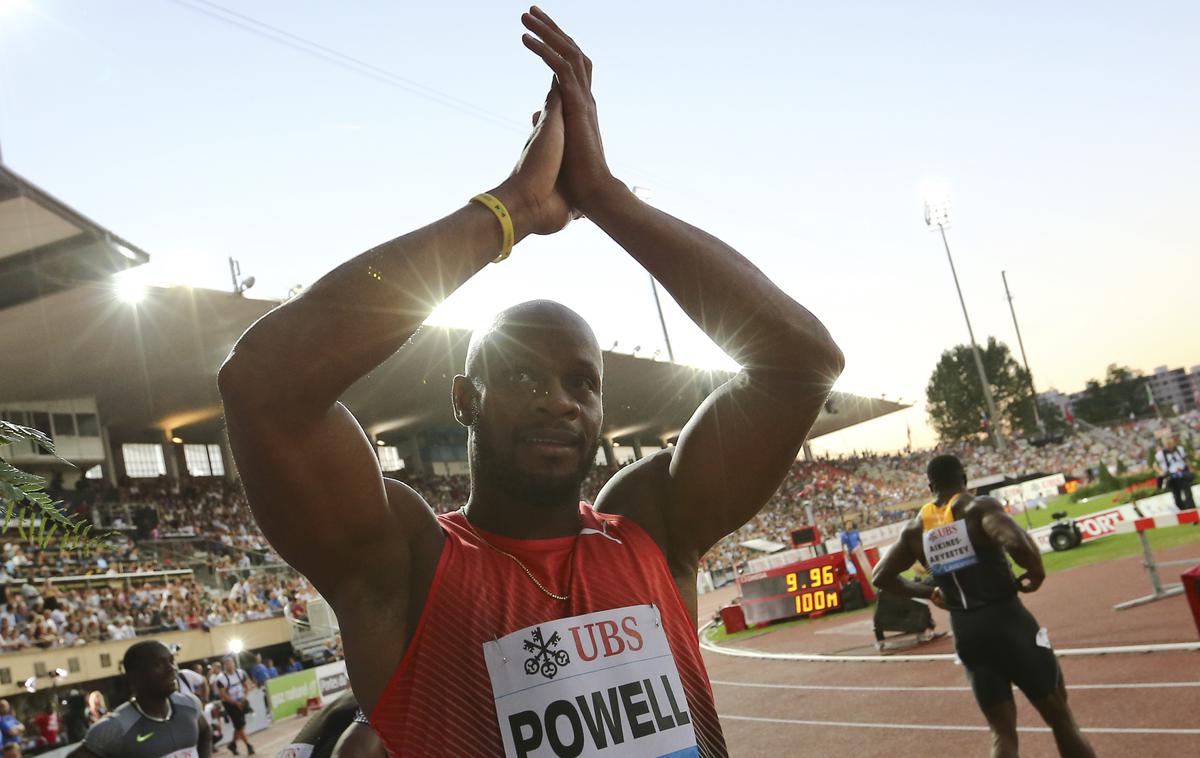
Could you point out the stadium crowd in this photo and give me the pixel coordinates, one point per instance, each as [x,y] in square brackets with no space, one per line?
[866,489]
[872,489]
[46,616]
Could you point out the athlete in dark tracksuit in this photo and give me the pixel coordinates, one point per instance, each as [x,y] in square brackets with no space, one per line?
[965,542]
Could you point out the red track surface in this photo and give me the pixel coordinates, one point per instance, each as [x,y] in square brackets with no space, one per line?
[1076,606]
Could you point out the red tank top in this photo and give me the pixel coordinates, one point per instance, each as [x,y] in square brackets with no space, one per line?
[444,697]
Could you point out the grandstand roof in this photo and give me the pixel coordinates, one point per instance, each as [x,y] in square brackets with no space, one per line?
[46,247]
[153,366]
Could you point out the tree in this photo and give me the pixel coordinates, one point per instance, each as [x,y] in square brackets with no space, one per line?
[1121,395]
[23,498]
[954,396]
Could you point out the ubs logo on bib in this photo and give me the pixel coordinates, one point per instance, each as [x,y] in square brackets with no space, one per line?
[621,698]
[544,659]
[942,532]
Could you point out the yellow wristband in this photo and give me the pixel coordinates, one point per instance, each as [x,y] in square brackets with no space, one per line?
[493,204]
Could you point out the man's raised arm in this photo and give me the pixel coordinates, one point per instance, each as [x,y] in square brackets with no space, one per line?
[313,481]
[738,447]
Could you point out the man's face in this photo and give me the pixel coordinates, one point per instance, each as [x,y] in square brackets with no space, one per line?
[158,674]
[227,665]
[537,411]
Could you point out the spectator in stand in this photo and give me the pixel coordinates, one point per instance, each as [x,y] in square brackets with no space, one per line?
[329,652]
[293,665]
[11,731]
[96,707]
[47,725]
[258,671]
[75,716]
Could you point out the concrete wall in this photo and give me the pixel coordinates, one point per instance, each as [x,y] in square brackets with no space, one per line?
[91,662]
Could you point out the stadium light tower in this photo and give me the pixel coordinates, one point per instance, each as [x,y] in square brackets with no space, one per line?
[1037,417]
[644,195]
[240,285]
[937,214]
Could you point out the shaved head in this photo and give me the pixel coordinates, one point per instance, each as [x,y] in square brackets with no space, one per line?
[503,334]
[531,398]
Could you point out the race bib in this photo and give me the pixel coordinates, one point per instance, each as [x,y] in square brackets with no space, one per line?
[602,683]
[948,548]
[187,752]
[296,750]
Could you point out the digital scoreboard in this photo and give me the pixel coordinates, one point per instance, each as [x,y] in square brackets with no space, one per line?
[806,588]
[806,536]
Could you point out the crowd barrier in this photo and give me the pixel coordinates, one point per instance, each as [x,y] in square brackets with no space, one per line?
[1112,520]
[291,692]
[1141,526]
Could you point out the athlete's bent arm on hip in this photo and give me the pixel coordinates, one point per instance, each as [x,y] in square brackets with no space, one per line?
[737,448]
[900,557]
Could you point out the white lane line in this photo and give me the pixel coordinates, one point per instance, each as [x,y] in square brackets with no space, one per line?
[954,727]
[1165,647]
[949,688]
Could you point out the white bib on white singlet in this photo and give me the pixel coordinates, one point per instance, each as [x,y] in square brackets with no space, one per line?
[603,681]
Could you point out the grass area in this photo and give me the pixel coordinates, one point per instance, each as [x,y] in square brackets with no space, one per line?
[1064,503]
[1122,545]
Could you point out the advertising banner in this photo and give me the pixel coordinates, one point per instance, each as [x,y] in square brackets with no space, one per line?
[291,692]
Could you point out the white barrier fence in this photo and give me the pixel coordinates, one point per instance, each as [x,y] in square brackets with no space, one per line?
[1032,491]
[1108,521]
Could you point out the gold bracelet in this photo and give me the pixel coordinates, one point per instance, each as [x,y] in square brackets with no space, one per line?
[493,204]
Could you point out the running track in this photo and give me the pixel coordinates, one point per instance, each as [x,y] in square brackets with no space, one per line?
[1131,705]
[1143,704]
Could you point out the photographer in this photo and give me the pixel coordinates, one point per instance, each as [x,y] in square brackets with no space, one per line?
[233,686]
[1171,462]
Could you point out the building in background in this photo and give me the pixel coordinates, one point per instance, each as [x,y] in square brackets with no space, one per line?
[1173,391]
[1176,390]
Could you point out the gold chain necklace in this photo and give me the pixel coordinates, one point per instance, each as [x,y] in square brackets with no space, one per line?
[515,559]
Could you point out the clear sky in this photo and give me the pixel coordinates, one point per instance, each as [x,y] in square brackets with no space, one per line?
[801,133]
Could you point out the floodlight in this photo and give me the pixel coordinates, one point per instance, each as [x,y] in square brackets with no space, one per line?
[937,204]
[126,252]
[130,291]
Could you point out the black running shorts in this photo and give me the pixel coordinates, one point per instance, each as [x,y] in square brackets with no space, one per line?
[237,715]
[999,647]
